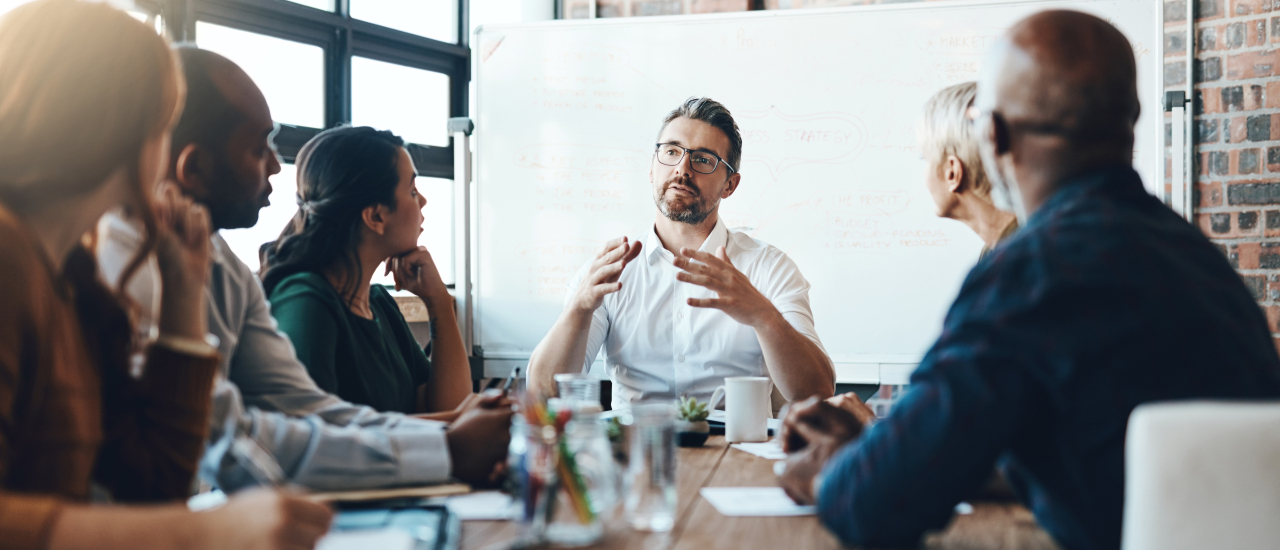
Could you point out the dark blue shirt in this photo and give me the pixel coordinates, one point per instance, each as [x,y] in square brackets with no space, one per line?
[1105,300]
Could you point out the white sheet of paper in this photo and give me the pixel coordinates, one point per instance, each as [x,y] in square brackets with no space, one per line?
[480,506]
[771,449]
[754,502]
[382,539]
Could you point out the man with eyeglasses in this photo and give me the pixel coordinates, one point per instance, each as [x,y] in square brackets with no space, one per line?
[688,302]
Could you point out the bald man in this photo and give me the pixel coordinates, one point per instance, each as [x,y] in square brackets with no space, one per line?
[222,157]
[1104,300]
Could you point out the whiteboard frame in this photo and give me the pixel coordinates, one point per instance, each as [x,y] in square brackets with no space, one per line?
[860,369]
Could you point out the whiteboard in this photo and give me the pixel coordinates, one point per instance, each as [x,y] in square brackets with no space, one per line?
[827,102]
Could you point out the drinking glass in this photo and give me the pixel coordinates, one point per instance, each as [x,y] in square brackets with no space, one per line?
[651,468]
[577,388]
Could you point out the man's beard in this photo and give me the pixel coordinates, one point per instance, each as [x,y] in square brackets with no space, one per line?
[231,211]
[692,213]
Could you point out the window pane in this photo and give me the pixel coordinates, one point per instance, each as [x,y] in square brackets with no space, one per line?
[326,5]
[410,102]
[436,19]
[271,220]
[436,236]
[290,74]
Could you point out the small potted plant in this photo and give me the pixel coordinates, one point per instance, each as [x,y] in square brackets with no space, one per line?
[692,429]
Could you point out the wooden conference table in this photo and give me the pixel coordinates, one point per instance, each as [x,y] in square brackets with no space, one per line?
[991,526]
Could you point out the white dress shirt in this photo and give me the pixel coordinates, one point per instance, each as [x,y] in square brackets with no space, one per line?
[264,392]
[658,347]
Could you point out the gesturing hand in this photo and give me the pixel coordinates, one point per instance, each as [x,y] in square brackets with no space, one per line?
[416,272]
[737,296]
[606,269]
[812,432]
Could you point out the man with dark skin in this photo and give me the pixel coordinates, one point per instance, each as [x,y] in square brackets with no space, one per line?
[1056,336]
[222,157]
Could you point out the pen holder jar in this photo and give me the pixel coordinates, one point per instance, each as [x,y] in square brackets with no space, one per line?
[563,477]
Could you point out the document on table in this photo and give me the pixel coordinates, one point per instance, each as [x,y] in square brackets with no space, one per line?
[478,506]
[771,449]
[382,539]
[754,502]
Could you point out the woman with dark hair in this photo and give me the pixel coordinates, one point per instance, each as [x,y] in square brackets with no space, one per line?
[89,98]
[358,206]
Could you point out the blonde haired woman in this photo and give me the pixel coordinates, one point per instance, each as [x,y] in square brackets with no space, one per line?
[955,178]
[88,98]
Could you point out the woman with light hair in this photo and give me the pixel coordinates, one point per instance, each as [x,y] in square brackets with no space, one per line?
[88,99]
[954,177]
[960,190]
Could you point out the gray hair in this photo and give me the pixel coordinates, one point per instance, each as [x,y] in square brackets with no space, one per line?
[714,113]
[947,130]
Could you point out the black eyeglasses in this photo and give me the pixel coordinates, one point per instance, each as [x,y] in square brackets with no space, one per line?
[703,162]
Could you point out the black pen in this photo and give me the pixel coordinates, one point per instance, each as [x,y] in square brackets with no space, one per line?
[510,378]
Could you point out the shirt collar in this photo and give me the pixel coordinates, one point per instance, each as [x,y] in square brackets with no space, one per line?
[719,237]
[1120,181]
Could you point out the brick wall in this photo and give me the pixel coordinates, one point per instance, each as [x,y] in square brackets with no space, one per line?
[1236,131]
[1236,128]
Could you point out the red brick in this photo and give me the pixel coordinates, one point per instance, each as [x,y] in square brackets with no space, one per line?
[717,6]
[1248,7]
[1239,130]
[1211,99]
[1273,94]
[1247,254]
[1210,194]
[1251,64]
[1255,96]
[1256,32]
[1275,129]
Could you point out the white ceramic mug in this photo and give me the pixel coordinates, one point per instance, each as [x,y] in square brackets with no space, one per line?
[746,408]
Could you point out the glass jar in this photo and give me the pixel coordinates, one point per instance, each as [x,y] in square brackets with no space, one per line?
[563,480]
[651,468]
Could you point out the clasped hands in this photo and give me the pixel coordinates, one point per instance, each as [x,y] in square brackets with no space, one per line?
[813,430]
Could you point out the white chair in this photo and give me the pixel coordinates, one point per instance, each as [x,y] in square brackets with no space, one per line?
[1202,475]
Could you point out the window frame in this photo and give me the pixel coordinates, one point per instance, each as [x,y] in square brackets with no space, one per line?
[341,37]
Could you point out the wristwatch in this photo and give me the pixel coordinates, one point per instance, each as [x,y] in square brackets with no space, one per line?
[208,347]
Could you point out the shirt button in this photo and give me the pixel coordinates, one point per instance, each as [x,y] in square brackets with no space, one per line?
[680,315]
[681,358]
